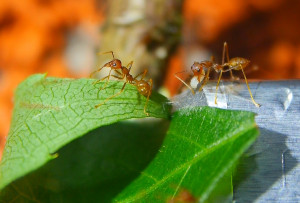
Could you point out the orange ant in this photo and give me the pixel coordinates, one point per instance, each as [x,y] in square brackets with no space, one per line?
[183,196]
[142,85]
[201,71]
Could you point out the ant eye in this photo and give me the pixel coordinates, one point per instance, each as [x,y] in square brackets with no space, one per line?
[198,70]
[114,64]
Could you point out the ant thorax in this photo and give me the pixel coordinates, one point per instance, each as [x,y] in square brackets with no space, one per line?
[217,67]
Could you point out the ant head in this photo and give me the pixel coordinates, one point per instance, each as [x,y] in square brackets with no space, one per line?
[197,67]
[114,64]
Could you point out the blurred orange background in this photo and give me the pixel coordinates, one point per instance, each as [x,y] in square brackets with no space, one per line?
[38,36]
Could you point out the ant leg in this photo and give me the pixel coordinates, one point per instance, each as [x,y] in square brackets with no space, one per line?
[218,86]
[106,80]
[118,72]
[205,80]
[130,65]
[117,77]
[192,90]
[256,104]
[145,107]
[108,52]
[107,77]
[143,74]
[98,105]
[225,51]
[97,81]
[96,71]
[122,77]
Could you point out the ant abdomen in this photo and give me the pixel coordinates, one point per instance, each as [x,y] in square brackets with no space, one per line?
[143,87]
[237,63]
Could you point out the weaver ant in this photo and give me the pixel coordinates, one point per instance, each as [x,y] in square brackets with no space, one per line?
[201,72]
[183,196]
[144,87]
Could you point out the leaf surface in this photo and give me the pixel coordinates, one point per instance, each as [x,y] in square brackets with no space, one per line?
[92,168]
[51,112]
[201,146]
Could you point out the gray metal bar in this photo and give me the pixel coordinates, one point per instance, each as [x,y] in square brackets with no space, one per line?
[270,170]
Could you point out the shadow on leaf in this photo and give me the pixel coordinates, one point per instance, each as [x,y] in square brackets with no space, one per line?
[95,167]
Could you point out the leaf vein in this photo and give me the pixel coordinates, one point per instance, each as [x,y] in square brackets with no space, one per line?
[196,158]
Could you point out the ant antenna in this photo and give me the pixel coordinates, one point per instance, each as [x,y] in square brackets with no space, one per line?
[176,75]
[108,52]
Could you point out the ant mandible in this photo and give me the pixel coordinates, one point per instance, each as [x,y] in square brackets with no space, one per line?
[201,71]
[144,87]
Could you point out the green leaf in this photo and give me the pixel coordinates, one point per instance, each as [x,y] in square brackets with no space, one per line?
[201,146]
[93,168]
[51,112]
